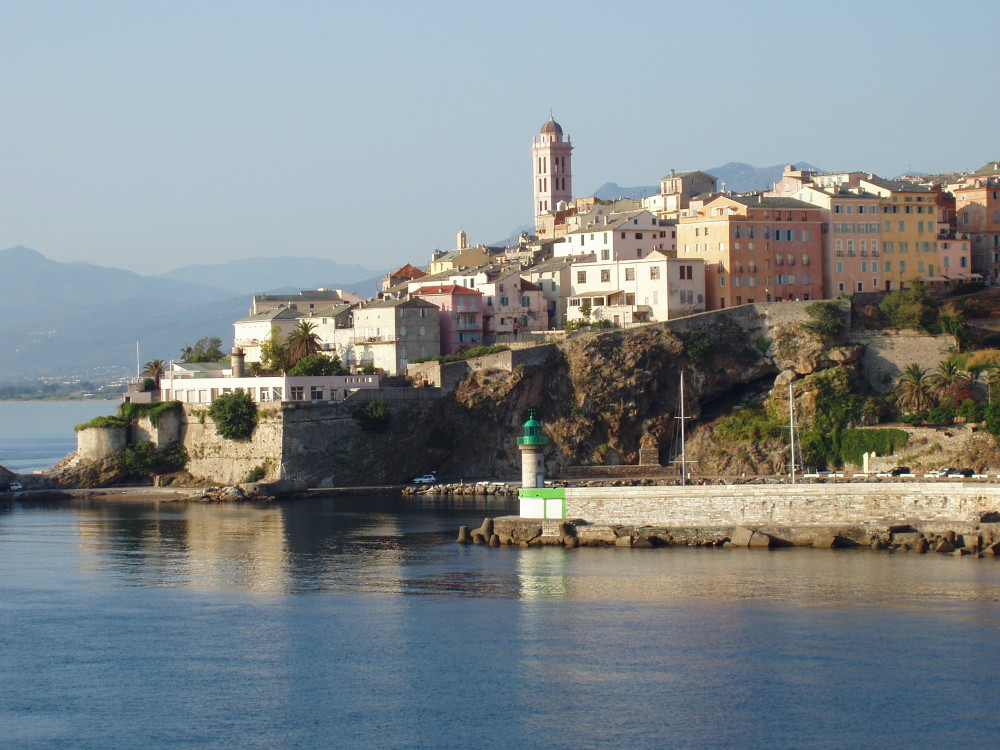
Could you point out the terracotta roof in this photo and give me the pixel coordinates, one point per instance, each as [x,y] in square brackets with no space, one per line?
[409,271]
[446,289]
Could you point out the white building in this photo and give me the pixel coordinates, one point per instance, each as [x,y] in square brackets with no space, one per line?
[626,236]
[645,290]
[264,390]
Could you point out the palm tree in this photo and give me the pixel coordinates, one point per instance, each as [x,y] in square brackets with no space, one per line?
[301,342]
[948,379]
[155,369]
[913,390]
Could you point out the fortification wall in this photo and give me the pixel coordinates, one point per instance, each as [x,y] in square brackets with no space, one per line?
[97,443]
[887,354]
[166,430]
[447,375]
[848,504]
[229,461]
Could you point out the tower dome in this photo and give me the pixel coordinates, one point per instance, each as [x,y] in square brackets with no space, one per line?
[551,127]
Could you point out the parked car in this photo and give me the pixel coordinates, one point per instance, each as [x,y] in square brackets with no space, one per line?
[961,473]
[899,471]
[425,479]
[16,487]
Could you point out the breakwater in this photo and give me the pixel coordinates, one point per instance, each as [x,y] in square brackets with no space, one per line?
[920,515]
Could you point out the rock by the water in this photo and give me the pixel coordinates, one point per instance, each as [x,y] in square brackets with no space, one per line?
[464,537]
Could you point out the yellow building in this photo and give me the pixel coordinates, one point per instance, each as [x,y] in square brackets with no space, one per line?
[909,231]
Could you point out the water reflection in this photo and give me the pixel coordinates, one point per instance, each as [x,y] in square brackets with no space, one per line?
[390,546]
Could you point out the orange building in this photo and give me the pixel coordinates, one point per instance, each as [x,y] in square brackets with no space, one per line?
[756,249]
[977,213]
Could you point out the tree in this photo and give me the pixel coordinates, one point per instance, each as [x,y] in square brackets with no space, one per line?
[274,353]
[318,364]
[908,308]
[826,319]
[949,379]
[234,414]
[302,341]
[155,369]
[207,349]
[913,390]
[987,361]
[586,310]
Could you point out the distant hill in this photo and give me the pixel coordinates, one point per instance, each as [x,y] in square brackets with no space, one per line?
[737,177]
[35,286]
[255,275]
[81,319]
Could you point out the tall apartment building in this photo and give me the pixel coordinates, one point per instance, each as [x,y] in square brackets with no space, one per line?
[756,249]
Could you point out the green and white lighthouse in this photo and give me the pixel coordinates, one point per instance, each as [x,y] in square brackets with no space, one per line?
[531,444]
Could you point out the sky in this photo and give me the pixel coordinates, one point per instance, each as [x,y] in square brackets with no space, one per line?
[152,135]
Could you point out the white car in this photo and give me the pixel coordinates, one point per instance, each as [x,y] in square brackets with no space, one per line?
[16,487]
[425,479]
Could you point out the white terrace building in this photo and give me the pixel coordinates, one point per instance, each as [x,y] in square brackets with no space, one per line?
[621,237]
[646,290]
[202,385]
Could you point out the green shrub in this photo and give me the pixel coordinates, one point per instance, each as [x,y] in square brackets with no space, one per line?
[968,287]
[255,474]
[131,412]
[971,410]
[991,419]
[908,308]
[317,364]
[234,414]
[697,347]
[941,415]
[110,421]
[372,416]
[139,460]
[826,319]
[753,424]
[478,351]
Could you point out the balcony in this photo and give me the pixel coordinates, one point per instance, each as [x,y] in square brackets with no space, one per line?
[373,340]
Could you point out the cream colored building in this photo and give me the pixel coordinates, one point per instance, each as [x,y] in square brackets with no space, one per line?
[387,334]
[644,290]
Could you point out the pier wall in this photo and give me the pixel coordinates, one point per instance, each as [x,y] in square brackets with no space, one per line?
[848,504]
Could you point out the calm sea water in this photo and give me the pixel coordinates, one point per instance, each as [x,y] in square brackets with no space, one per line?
[356,622]
[36,434]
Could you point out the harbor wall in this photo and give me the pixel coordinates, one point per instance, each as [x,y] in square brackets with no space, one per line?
[846,504]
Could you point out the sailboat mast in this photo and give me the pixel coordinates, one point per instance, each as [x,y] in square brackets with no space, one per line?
[791,427]
[683,453]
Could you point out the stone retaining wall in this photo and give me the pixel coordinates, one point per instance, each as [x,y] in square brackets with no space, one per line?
[769,505]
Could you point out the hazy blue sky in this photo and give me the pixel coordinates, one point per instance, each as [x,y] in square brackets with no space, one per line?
[152,135]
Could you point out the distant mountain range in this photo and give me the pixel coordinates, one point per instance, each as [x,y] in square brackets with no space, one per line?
[254,275]
[78,319]
[736,176]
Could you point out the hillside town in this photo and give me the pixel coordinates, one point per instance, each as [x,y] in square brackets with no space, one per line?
[693,247]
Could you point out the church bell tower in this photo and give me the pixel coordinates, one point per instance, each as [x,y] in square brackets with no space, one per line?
[551,157]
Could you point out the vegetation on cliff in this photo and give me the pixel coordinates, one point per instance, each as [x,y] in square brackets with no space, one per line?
[234,414]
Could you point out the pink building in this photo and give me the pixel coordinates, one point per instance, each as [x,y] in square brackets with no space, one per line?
[461,315]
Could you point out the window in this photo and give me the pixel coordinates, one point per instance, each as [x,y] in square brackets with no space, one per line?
[638,235]
[654,273]
[605,275]
[605,254]
[722,281]
[316,393]
[504,301]
[581,277]
[840,267]
[297,393]
[525,302]
[629,274]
